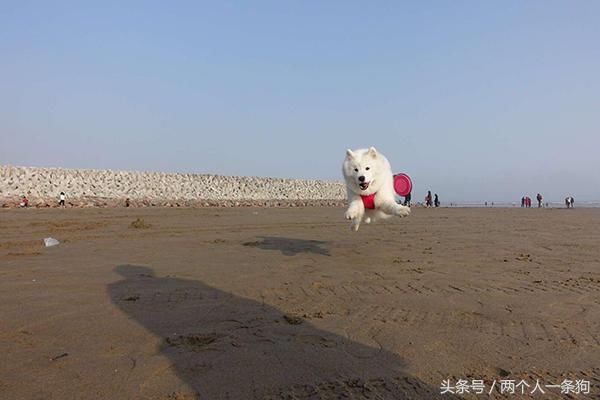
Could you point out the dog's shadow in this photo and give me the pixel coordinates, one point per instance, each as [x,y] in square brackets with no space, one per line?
[290,246]
[227,347]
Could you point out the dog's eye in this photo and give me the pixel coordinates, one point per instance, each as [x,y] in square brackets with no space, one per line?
[368,168]
[355,169]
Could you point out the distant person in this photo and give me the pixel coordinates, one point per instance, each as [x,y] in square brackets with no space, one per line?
[61,201]
[428,200]
[407,199]
[127,202]
[522,201]
[436,200]
[539,200]
[24,202]
[569,201]
[486,203]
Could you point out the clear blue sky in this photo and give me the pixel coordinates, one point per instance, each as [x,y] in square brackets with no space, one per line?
[475,100]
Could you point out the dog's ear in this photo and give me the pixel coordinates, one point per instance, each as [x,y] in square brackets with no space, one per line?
[349,153]
[372,152]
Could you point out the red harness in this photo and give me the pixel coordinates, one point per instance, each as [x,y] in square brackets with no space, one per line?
[369,201]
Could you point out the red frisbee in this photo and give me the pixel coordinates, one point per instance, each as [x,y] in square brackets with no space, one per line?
[402,184]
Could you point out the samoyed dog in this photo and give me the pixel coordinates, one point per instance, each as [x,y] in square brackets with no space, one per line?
[370,184]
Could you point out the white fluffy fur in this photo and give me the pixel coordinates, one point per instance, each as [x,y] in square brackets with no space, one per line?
[378,174]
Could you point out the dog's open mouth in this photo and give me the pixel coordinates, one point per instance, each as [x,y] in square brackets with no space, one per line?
[363,185]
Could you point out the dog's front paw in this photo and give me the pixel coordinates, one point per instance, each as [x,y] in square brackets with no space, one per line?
[351,214]
[402,211]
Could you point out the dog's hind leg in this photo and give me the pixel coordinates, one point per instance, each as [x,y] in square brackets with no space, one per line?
[378,215]
[393,208]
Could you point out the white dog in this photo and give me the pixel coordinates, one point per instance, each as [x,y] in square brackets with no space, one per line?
[370,185]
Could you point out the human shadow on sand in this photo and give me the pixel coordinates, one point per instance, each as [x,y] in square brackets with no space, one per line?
[228,347]
[290,246]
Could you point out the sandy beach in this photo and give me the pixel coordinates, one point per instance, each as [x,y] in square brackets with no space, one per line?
[287,303]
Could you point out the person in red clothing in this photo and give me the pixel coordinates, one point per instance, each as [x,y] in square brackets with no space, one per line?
[24,202]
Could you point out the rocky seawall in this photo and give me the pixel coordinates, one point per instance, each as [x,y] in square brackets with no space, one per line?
[106,188]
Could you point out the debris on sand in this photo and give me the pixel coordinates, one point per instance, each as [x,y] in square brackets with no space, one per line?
[293,319]
[139,223]
[59,356]
[48,242]
[195,342]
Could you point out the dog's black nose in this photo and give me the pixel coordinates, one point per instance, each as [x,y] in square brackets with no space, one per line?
[361,178]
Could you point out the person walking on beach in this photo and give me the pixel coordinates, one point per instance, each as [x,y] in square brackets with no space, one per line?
[522,201]
[539,200]
[428,201]
[407,199]
[436,200]
[61,201]
[569,201]
[24,202]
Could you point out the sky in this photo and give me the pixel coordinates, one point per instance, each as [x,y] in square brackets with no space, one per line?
[474,100]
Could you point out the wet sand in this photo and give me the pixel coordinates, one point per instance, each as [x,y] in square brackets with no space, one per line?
[289,304]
